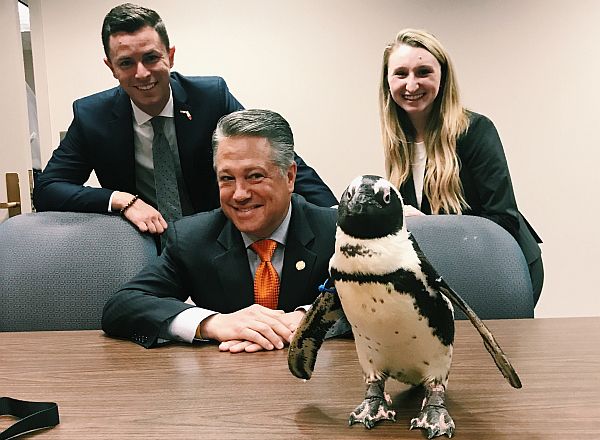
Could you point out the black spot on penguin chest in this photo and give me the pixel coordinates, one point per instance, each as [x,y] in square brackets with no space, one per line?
[431,307]
[355,250]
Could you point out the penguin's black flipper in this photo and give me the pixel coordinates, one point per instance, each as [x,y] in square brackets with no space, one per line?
[437,282]
[326,310]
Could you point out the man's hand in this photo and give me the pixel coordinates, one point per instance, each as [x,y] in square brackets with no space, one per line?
[251,329]
[142,215]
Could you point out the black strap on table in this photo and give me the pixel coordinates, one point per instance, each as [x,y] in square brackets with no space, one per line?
[33,415]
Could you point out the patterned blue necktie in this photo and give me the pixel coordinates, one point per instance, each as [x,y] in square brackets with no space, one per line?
[165,174]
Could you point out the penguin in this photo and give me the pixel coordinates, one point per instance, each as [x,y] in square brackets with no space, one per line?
[399,308]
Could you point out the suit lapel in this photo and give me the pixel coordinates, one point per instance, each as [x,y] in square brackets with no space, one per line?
[120,130]
[409,196]
[186,130]
[299,261]
[408,192]
[233,269]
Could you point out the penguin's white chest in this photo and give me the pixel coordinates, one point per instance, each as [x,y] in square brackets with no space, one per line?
[392,338]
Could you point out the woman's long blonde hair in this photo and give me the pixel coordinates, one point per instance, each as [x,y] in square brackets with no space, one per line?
[448,120]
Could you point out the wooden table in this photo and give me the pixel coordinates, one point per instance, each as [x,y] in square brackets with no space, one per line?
[113,389]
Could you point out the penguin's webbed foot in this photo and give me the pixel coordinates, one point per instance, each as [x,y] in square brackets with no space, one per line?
[434,416]
[374,408]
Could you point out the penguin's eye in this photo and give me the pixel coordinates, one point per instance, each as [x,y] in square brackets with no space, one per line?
[387,196]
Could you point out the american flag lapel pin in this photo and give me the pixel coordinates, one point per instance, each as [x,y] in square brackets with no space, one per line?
[185,112]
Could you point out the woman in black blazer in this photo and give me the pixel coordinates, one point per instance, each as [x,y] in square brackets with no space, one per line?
[444,158]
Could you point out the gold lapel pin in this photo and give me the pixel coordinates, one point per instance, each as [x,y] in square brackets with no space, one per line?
[300,265]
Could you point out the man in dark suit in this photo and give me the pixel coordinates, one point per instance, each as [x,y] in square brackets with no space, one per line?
[112,132]
[210,258]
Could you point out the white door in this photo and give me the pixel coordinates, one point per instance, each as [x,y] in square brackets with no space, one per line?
[15,150]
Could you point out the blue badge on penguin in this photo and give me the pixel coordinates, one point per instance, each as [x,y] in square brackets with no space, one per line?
[385,287]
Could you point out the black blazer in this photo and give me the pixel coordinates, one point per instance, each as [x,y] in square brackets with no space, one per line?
[486,184]
[205,258]
[100,138]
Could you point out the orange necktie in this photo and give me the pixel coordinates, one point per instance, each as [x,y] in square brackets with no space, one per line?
[266,280]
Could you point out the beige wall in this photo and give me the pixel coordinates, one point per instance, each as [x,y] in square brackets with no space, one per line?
[15,150]
[531,66]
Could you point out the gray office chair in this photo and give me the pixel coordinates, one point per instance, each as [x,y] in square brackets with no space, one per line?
[58,268]
[480,260]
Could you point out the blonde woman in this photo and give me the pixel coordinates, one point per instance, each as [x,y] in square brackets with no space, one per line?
[444,158]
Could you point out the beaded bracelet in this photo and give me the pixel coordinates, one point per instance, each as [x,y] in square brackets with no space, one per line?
[131,202]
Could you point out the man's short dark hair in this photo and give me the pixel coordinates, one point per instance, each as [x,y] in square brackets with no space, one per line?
[130,18]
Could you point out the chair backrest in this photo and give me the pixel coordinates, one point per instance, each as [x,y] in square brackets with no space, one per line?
[480,260]
[58,268]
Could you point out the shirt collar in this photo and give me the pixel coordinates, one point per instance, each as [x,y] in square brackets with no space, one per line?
[279,234]
[141,117]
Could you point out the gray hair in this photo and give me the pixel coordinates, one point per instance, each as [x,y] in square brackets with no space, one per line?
[259,123]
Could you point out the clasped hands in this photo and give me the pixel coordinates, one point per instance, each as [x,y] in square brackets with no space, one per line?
[252,329]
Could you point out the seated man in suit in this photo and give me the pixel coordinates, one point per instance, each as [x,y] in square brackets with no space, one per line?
[213,257]
[113,134]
